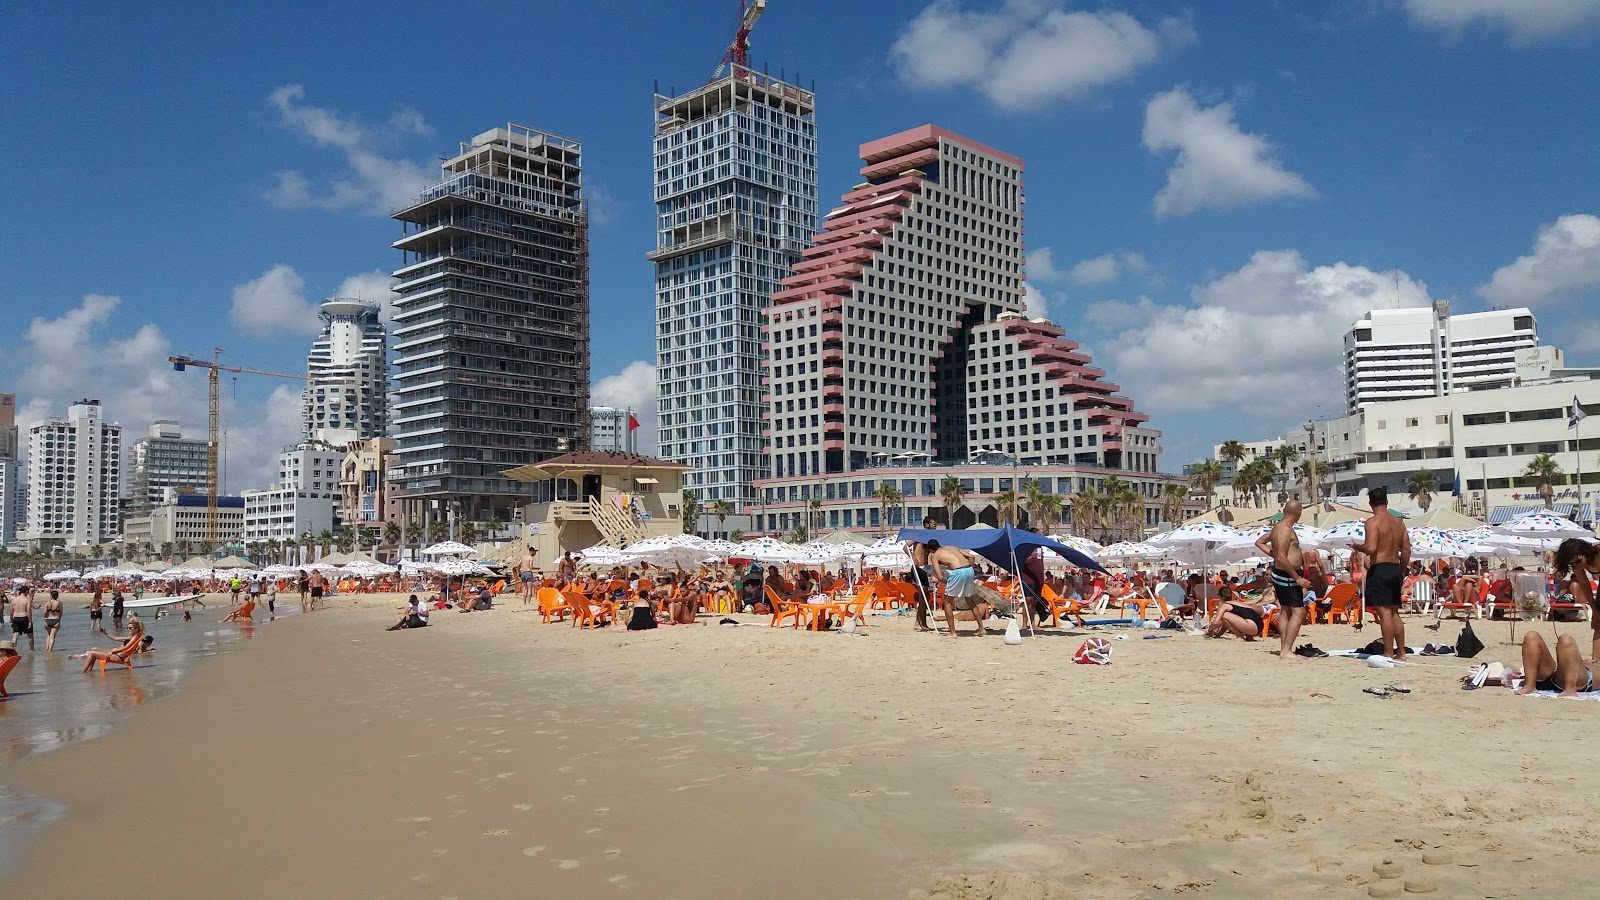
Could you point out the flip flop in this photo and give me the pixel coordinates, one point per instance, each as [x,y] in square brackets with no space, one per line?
[1396,689]
[1377,692]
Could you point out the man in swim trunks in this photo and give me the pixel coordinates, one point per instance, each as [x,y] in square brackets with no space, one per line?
[922,576]
[21,613]
[52,620]
[1288,585]
[317,585]
[525,575]
[1388,547]
[954,567]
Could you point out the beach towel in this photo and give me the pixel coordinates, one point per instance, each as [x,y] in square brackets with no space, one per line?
[1093,652]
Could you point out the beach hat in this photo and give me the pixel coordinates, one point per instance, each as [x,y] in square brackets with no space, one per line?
[8,645]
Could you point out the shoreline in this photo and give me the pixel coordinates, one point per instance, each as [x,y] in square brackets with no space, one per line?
[492,750]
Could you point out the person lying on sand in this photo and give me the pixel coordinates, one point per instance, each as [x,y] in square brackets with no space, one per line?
[122,654]
[1565,672]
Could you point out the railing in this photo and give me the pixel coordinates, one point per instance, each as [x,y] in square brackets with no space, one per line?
[614,524]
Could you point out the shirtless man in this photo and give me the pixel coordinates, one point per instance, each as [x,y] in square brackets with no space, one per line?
[525,576]
[1289,586]
[21,613]
[53,608]
[922,576]
[317,585]
[1389,548]
[954,567]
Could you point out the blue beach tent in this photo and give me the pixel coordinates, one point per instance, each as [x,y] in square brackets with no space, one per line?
[1005,547]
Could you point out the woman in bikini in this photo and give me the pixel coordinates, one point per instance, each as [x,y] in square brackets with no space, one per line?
[1237,617]
[1566,671]
[123,654]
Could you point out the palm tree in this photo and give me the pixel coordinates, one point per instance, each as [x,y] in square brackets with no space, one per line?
[888,497]
[1543,471]
[1204,477]
[496,525]
[1423,484]
[345,539]
[736,536]
[1283,455]
[1172,497]
[1231,451]
[691,512]
[166,550]
[413,531]
[1087,508]
[722,509]
[1254,479]
[1006,504]
[1127,506]
[1043,507]
[468,533]
[392,532]
[271,548]
[437,531]
[951,492]
[799,535]
[814,520]
[183,548]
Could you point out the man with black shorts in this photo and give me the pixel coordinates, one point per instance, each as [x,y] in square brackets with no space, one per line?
[922,576]
[317,583]
[21,613]
[1388,549]
[1289,586]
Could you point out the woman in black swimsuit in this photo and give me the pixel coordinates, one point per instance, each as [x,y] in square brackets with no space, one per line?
[1566,671]
[1236,617]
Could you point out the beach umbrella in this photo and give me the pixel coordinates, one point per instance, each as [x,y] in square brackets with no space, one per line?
[233,562]
[448,548]
[676,550]
[455,567]
[765,550]
[1545,525]
[1005,547]
[1081,544]
[1429,543]
[63,575]
[601,557]
[1124,552]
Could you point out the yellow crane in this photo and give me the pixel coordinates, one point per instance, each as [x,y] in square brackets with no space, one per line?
[213,428]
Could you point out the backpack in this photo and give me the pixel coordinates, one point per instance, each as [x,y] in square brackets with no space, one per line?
[1468,645]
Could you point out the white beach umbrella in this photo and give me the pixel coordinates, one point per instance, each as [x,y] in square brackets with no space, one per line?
[1545,525]
[448,548]
[63,575]
[766,550]
[1430,543]
[601,557]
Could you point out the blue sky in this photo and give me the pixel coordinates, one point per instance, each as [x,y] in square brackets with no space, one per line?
[1214,190]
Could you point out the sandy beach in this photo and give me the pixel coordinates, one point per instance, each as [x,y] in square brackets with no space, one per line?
[493,755]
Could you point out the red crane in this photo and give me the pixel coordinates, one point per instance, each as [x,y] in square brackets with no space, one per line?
[738,52]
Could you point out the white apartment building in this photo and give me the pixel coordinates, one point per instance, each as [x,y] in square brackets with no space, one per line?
[347,374]
[1485,439]
[609,429]
[304,499]
[1406,354]
[75,473]
[182,517]
[736,203]
[164,459]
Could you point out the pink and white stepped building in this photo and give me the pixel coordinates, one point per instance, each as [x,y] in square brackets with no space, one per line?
[898,352]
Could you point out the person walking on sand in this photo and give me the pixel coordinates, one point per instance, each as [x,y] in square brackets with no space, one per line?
[525,576]
[21,613]
[922,576]
[1289,586]
[1388,547]
[954,567]
[97,609]
[53,608]
[318,583]
[305,590]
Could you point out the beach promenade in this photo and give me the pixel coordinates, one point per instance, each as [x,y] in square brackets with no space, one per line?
[492,755]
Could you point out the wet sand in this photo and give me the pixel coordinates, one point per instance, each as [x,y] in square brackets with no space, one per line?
[493,755]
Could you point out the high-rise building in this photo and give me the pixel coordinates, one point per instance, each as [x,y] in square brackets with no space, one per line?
[491,330]
[11,493]
[612,429]
[346,374]
[75,470]
[1408,354]
[897,354]
[736,203]
[163,459]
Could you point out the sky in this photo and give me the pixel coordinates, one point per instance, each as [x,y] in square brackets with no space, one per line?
[1214,191]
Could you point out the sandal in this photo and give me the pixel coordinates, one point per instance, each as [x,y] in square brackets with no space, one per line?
[1377,692]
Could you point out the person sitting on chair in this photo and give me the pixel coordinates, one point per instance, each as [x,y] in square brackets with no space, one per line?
[122,655]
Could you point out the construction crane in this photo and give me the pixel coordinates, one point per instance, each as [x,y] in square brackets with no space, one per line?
[738,52]
[213,428]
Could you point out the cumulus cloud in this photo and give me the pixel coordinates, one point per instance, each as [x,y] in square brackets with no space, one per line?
[1028,53]
[1040,265]
[1034,303]
[1218,165]
[1114,314]
[603,206]
[274,302]
[373,184]
[83,354]
[632,388]
[1564,265]
[1526,21]
[1263,338]
[372,286]
[1107,268]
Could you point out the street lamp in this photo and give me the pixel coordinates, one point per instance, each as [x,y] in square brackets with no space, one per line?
[1311,448]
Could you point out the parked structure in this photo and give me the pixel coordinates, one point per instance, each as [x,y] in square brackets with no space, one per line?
[588,498]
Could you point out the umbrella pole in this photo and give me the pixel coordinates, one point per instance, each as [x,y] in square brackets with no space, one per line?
[1021,589]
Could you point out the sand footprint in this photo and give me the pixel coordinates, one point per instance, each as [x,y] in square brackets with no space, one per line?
[602,811]
[620,881]
[522,807]
[567,864]
[613,852]
[533,851]
[595,830]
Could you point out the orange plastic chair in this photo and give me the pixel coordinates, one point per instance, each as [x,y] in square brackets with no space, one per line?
[784,609]
[1343,609]
[1060,606]
[846,609]
[6,666]
[499,586]
[587,613]
[243,612]
[552,604]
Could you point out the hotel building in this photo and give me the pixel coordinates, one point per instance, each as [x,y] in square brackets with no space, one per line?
[491,330]
[897,352]
[1406,354]
[736,203]
[346,374]
[164,459]
[305,498]
[12,495]
[75,479]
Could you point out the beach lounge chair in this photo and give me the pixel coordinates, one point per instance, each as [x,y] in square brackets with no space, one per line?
[552,604]
[588,613]
[1346,602]
[852,608]
[242,613]
[1582,609]
[6,665]
[1422,594]
[1448,607]
[784,609]
[1061,606]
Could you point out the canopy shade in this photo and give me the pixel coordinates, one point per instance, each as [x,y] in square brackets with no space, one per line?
[1005,547]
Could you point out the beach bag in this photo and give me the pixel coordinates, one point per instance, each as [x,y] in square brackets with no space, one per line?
[1093,652]
[1468,645]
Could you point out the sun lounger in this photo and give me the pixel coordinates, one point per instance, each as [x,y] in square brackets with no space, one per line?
[6,665]
[242,613]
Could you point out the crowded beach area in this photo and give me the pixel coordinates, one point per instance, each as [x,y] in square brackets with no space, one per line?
[685,717]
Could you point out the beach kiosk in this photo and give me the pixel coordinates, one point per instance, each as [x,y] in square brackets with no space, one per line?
[598,497]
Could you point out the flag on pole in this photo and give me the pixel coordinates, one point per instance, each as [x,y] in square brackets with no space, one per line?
[1578,415]
[1457,491]
[632,422]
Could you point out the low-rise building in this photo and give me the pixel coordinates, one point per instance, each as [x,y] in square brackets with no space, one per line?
[365,500]
[594,497]
[182,517]
[306,497]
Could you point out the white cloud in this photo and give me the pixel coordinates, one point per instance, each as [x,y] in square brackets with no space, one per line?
[1028,52]
[1034,303]
[274,302]
[603,207]
[1526,21]
[81,354]
[1584,339]
[1564,265]
[373,184]
[633,388]
[1218,165]
[1099,270]
[1262,339]
[1111,314]
[1040,265]
[373,285]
